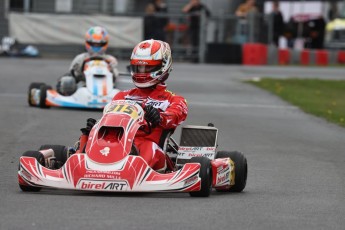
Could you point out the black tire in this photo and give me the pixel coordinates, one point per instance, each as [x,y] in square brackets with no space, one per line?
[40,158]
[241,170]
[43,96]
[60,152]
[205,175]
[34,85]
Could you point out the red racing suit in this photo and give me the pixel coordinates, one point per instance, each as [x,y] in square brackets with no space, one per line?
[173,111]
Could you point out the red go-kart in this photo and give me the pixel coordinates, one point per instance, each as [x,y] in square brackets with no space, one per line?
[110,162]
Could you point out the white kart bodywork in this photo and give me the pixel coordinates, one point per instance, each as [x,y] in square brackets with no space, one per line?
[97,91]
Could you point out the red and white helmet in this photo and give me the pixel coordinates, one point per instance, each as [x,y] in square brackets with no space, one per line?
[151,63]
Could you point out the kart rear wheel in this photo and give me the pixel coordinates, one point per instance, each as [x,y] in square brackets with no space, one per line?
[205,175]
[34,85]
[40,158]
[60,152]
[241,170]
[43,96]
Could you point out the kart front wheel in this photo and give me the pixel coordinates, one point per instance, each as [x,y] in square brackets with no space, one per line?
[205,175]
[241,170]
[43,96]
[40,158]
[34,85]
[60,153]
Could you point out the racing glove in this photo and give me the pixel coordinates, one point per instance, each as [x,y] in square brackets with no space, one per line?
[152,115]
[90,122]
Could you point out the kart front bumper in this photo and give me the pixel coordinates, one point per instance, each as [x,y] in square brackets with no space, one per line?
[132,174]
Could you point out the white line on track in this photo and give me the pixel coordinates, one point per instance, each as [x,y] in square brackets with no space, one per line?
[194,103]
[12,95]
[241,105]
[125,80]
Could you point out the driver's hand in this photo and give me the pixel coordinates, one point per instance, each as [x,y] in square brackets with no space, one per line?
[90,122]
[152,115]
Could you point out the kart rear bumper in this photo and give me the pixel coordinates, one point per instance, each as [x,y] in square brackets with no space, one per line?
[82,98]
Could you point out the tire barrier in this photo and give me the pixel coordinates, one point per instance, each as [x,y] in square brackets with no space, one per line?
[260,54]
[254,54]
[321,57]
[283,56]
[304,57]
[341,57]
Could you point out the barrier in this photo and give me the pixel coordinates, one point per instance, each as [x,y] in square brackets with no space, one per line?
[321,57]
[305,57]
[224,53]
[341,57]
[257,54]
[254,54]
[283,56]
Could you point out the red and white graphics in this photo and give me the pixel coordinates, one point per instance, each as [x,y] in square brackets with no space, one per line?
[133,174]
[223,171]
[107,164]
[151,63]
[189,152]
[112,137]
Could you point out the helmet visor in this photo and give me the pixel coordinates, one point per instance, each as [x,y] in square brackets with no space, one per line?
[145,68]
[97,44]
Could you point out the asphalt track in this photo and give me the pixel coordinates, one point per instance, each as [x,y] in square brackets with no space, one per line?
[296,161]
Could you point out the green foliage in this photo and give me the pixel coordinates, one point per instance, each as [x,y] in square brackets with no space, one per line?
[323,98]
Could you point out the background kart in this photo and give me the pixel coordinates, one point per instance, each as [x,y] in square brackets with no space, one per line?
[96,93]
[110,163]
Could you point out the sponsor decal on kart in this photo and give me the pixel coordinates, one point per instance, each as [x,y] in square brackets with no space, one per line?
[189,152]
[126,107]
[25,174]
[114,175]
[191,180]
[105,151]
[232,174]
[96,63]
[225,173]
[102,185]
[223,178]
[103,172]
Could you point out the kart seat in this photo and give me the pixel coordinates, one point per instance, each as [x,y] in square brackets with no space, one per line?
[162,142]
[165,137]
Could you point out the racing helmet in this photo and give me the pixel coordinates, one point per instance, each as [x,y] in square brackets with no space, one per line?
[96,40]
[151,63]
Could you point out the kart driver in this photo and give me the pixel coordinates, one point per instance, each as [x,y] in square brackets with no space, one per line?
[151,64]
[96,44]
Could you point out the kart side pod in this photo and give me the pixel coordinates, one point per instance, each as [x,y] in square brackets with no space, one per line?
[228,168]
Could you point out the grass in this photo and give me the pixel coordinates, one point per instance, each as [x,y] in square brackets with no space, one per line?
[322,98]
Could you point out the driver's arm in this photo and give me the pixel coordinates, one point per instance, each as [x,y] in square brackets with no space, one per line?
[120,95]
[113,65]
[76,65]
[175,114]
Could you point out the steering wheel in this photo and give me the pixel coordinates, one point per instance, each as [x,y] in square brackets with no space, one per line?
[95,58]
[146,123]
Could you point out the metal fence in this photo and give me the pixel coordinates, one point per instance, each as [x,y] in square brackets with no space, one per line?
[224,29]
[188,42]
